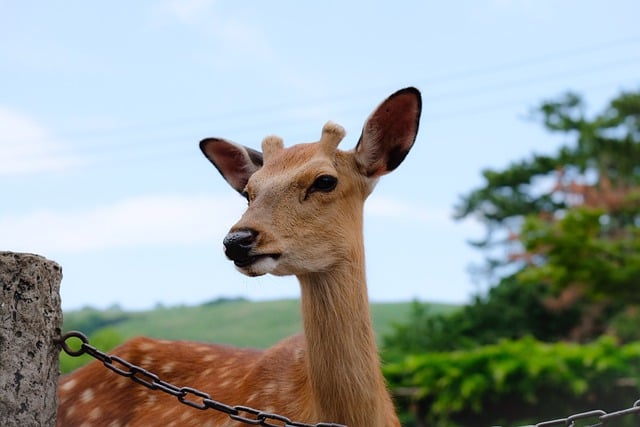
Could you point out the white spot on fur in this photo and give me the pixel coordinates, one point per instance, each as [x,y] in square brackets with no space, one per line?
[95,413]
[224,373]
[168,367]
[253,396]
[69,385]
[209,358]
[86,396]
[147,346]
[271,388]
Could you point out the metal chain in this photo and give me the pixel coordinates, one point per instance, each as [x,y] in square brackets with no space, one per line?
[189,396]
[200,400]
[601,417]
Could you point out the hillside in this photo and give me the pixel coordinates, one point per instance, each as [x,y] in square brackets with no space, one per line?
[237,322]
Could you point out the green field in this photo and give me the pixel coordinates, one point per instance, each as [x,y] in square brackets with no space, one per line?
[237,322]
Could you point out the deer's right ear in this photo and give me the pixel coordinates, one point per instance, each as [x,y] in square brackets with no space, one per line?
[389,133]
[235,163]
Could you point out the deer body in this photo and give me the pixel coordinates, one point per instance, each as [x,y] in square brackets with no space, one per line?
[304,218]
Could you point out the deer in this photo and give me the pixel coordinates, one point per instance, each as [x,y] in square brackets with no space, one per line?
[304,218]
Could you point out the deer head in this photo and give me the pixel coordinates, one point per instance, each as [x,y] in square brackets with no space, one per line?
[305,202]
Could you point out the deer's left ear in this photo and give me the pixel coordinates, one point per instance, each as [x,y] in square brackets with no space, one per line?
[236,163]
[389,133]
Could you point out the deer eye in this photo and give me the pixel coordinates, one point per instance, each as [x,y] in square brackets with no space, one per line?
[324,183]
[245,194]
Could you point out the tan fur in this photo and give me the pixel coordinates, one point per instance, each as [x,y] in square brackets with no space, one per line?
[330,373]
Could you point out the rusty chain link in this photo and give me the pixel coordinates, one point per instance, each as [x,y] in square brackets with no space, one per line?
[200,400]
[186,395]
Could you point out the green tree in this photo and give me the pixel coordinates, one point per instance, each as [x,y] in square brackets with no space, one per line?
[563,250]
[508,311]
[571,220]
[581,260]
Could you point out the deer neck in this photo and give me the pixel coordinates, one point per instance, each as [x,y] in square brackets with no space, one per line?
[342,358]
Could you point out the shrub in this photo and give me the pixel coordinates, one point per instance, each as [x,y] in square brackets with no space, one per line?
[518,382]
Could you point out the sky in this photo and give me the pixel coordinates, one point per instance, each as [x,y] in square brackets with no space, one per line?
[102,106]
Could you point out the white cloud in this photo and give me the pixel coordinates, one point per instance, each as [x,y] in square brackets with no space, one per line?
[140,221]
[27,147]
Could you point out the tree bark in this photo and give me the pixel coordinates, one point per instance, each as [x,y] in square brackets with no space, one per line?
[30,322]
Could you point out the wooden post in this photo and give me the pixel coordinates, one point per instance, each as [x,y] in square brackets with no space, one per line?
[30,321]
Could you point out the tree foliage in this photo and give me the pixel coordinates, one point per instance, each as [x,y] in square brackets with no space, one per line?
[601,166]
[563,245]
[571,220]
[509,311]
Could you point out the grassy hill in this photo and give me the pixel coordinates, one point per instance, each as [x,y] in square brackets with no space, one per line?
[237,322]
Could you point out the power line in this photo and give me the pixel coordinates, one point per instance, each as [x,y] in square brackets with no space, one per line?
[168,144]
[526,82]
[563,54]
[422,81]
[454,95]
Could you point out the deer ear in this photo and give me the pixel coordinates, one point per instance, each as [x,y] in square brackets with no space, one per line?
[235,163]
[389,133]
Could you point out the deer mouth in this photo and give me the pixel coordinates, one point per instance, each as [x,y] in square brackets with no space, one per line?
[257,265]
[247,261]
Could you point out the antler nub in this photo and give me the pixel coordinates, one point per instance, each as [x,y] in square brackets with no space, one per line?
[271,144]
[332,134]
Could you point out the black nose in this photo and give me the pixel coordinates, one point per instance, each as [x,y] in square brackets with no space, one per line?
[238,245]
